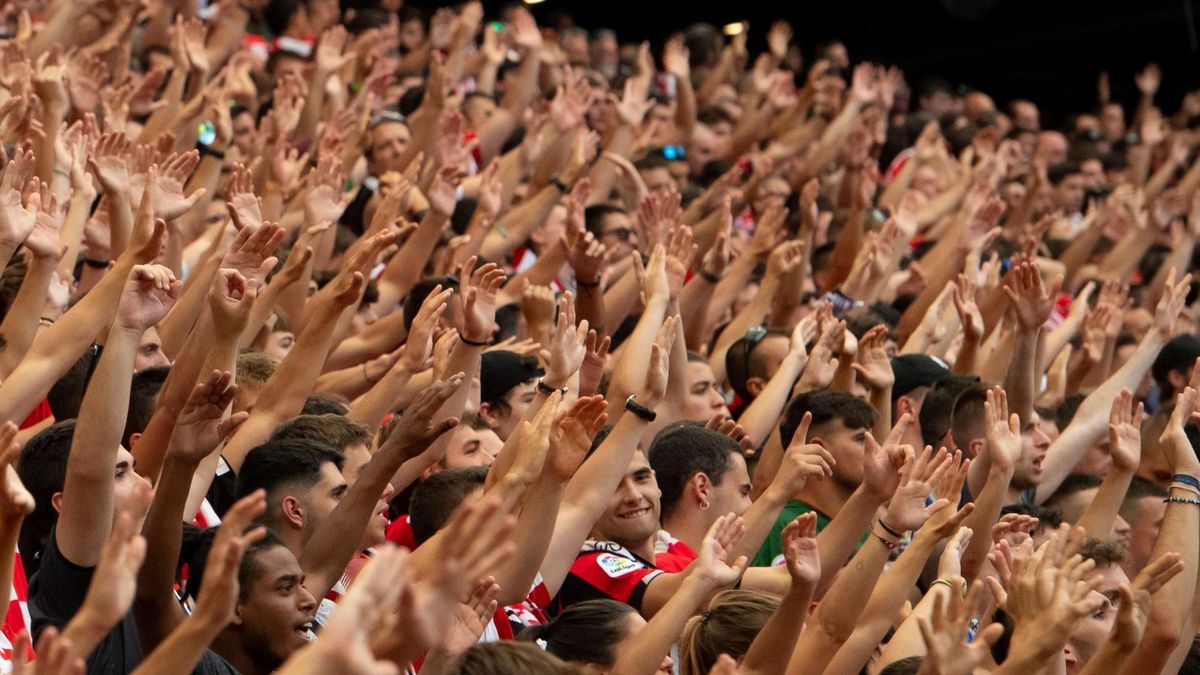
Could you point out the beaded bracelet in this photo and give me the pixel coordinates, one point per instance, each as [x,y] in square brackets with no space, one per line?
[1181,500]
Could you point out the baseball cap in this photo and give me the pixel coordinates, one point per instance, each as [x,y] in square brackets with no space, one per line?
[1178,354]
[916,370]
[501,370]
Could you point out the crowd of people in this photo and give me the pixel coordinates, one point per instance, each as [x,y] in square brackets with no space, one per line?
[339,337]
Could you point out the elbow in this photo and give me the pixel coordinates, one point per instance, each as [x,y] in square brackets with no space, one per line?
[1161,637]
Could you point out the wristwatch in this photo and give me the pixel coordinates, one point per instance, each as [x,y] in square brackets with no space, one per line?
[546,389]
[638,409]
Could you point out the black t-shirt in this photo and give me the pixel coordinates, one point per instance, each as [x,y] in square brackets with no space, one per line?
[212,664]
[222,492]
[56,593]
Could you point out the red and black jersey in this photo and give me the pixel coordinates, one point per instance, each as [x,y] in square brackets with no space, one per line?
[670,554]
[606,570]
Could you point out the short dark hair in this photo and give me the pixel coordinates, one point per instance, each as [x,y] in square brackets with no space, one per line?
[586,632]
[420,291]
[1057,173]
[325,404]
[682,450]
[336,431]
[909,665]
[967,420]
[1065,412]
[744,361]
[143,397]
[436,497]
[42,467]
[826,405]
[276,465]
[594,215]
[1105,553]
[249,570]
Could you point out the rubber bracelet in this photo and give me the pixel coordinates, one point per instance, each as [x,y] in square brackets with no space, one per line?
[708,276]
[1186,479]
[473,343]
[889,530]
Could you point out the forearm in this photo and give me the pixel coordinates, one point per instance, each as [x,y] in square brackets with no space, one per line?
[751,315]
[1091,420]
[182,318]
[382,337]
[836,615]
[314,105]
[630,369]
[163,531]
[645,649]
[532,538]
[21,322]
[86,514]
[772,647]
[759,419]
[967,360]
[1019,381]
[883,607]
[1102,511]
[400,274]
[603,175]
[1080,250]
[370,408]
[845,530]
[120,221]
[988,504]
[513,228]
[693,310]
[847,248]
[589,306]
[1124,257]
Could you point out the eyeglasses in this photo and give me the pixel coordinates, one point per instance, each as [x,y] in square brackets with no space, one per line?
[752,337]
[622,233]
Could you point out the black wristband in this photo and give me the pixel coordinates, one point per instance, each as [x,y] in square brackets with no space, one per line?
[587,284]
[557,182]
[472,342]
[890,530]
[548,390]
[708,276]
[97,264]
[211,152]
[640,410]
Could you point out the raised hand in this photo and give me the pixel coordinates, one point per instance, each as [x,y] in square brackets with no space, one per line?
[325,200]
[150,292]
[199,429]
[443,193]
[15,500]
[1174,441]
[882,464]
[800,550]
[950,563]
[945,634]
[1171,304]
[586,256]
[109,162]
[417,428]
[874,367]
[680,252]
[1031,301]
[655,281]
[1134,609]
[802,461]
[419,345]
[907,510]
[479,299]
[659,367]
[1003,430]
[592,370]
[19,209]
[572,434]
[173,174]
[217,605]
[568,345]
[252,252]
[969,316]
[823,362]
[712,568]
[1125,433]
[244,207]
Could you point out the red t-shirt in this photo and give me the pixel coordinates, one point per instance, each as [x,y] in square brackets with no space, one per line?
[670,554]
[606,570]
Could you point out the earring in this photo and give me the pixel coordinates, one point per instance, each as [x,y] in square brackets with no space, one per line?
[704,505]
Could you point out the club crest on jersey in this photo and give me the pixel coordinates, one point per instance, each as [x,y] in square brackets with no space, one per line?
[616,566]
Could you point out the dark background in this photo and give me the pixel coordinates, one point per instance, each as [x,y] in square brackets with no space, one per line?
[1049,50]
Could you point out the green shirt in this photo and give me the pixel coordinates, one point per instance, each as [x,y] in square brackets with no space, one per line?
[772,548]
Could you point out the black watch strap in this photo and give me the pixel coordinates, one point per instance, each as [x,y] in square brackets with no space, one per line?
[640,410]
[548,390]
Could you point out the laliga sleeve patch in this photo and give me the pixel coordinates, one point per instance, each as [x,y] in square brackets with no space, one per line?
[616,566]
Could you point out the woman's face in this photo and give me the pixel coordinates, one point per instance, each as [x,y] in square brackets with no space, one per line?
[634,623]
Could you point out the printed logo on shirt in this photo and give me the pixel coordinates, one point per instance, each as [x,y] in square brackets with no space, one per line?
[615,566]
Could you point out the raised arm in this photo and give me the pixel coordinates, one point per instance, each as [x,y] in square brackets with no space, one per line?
[1125,446]
[87,503]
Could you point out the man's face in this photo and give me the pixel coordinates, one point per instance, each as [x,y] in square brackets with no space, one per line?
[150,353]
[703,401]
[478,109]
[1069,193]
[1034,443]
[357,456]
[1093,630]
[1093,173]
[847,447]
[275,611]
[125,480]
[1025,116]
[243,133]
[389,139]
[632,513]
[769,354]
[733,494]
[618,234]
[1145,520]
[1052,147]
[471,447]
[773,192]
[279,343]
[322,498]
[702,148]
[658,180]
[1112,121]
[518,399]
